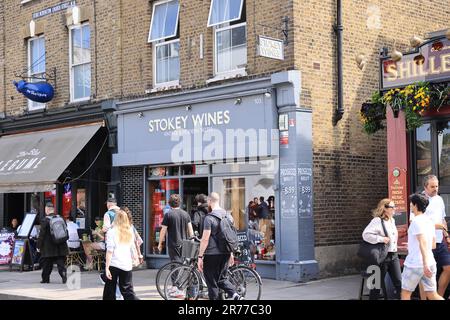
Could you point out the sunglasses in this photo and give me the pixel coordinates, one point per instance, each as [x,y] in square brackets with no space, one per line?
[388,206]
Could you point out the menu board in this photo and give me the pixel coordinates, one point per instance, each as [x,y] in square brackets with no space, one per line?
[6,247]
[27,225]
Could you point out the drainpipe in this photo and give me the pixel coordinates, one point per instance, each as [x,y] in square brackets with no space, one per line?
[338,29]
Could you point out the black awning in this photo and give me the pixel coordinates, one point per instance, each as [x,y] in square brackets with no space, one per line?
[33,162]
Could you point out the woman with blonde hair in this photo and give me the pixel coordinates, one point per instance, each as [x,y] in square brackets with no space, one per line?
[382,229]
[119,258]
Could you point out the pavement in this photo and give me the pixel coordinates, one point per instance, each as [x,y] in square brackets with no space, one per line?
[25,285]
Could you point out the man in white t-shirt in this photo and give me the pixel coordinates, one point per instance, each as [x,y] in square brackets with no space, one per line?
[419,265]
[436,211]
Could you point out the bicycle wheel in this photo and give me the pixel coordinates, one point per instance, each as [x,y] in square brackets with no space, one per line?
[182,283]
[162,274]
[247,282]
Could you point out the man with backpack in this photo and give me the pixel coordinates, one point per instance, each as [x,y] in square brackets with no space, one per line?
[218,242]
[199,213]
[52,243]
[108,217]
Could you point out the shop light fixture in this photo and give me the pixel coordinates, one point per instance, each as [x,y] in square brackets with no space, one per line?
[268,94]
[140,114]
[396,55]
[188,107]
[238,101]
[361,61]
[32,28]
[415,41]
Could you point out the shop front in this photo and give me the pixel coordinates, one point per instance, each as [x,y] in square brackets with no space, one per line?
[226,139]
[418,87]
[67,166]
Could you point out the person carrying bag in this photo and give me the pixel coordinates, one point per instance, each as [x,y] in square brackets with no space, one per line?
[380,247]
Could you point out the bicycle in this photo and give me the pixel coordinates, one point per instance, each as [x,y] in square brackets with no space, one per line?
[189,282]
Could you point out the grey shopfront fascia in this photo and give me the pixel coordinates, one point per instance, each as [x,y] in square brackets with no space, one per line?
[145,138]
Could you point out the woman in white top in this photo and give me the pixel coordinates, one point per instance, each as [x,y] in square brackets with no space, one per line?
[119,261]
[374,233]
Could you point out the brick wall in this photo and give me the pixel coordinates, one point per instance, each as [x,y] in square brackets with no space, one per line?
[132,189]
[350,168]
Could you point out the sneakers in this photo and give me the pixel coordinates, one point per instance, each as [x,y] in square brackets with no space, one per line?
[176,293]
[237,297]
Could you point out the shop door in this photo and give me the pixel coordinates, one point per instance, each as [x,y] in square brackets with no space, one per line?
[191,188]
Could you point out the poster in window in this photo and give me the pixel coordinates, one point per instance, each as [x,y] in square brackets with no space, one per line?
[19,252]
[6,247]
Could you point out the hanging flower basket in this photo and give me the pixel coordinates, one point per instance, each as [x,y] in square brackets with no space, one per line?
[414,100]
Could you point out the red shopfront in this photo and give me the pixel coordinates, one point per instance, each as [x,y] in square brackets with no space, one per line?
[414,154]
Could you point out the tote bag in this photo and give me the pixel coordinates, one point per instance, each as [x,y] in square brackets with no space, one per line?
[374,254]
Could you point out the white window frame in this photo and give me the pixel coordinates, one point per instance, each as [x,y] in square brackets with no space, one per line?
[32,104]
[169,83]
[226,21]
[230,73]
[71,66]
[151,21]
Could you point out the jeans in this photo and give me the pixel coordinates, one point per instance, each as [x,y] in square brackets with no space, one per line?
[392,266]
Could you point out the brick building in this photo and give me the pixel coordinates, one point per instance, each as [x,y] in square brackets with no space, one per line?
[200,58]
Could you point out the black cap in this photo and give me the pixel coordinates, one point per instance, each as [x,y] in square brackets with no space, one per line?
[49,205]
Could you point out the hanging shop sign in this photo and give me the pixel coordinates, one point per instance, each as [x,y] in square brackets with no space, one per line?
[54,9]
[271,48]
[38,91]
[431,63]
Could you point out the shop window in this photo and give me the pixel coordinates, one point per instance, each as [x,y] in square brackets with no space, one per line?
[160,191]
[80,63]
[166,45]
[443,141]
[423,152]
[251,202]
[36,67]
[223,11]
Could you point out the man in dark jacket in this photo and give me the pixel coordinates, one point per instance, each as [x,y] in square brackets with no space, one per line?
[199,213]
[50,252]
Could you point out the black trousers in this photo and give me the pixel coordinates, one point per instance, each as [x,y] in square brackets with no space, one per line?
[175,254]
[47,267]
[215,269]
[125,285]
[392,266]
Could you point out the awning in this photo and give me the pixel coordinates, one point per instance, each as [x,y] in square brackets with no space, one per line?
[33,162]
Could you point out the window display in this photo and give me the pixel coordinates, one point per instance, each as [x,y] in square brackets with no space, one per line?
[160,191]
[251,202]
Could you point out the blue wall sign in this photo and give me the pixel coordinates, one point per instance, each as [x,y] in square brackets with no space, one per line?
[54,9]
[38,91]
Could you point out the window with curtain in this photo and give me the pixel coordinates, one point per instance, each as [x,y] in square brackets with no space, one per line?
[36,67]
[80,63]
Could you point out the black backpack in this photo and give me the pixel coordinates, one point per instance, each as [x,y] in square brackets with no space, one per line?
[58,229]
[227,234]
[197,217]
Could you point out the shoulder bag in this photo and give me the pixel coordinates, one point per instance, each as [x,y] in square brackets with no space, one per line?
[374,254]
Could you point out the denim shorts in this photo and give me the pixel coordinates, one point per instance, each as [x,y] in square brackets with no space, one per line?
[412,276]
[441,254]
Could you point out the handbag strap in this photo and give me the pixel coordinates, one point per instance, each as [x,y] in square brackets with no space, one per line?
[384,228]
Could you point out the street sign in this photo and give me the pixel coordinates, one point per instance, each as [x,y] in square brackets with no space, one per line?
[271,48]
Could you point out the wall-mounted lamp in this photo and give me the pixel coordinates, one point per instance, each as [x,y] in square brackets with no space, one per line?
[141,115]
[32,28]
[396,55]
[267,94]
[238,101]
[76,15]
[361,61]
[188,107]
[415,41]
